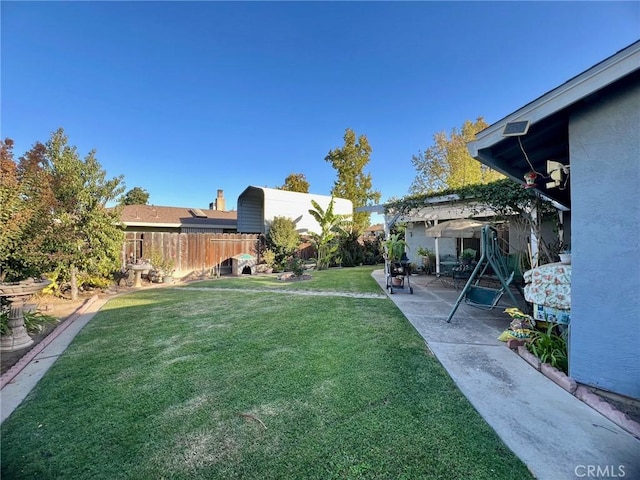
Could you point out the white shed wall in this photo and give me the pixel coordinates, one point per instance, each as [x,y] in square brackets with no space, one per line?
[281,203]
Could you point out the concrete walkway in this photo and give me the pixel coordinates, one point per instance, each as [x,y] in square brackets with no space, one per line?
[554,433]
[19,380]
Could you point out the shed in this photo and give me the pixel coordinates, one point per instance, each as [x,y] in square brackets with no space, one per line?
[258,206]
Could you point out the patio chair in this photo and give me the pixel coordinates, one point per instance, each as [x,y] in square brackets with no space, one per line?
[447,264]
[485,297]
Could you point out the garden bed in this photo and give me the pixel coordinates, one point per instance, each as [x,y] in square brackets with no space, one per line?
[59,308]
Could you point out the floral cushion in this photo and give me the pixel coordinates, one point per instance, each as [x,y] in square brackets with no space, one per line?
[549,285]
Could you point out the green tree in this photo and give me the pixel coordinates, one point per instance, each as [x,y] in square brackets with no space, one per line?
[135,196]
[283,239]
[353,249]
[25,197]
[87,237]
[296,182]
[447,163]
[352,183]
[331,226]
[12,209]
[37,193]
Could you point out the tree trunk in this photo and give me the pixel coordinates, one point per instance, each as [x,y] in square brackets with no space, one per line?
[74,283]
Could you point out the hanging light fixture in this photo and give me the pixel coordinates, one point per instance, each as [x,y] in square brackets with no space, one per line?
[530,179]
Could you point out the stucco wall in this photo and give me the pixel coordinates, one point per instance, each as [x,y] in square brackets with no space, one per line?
[416,238]
[604,140]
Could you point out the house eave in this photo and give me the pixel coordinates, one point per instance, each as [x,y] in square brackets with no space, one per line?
[596,78]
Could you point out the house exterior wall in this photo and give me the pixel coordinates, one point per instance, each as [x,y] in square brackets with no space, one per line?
[416,238]
[604,143]
[442,211]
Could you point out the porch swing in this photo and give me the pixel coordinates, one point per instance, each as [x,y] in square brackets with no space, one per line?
[480,296]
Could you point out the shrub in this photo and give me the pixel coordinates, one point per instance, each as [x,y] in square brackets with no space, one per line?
[160,263]
[296,265]
[550,347]
[87,282]
[351,251]
[282,239]
[269,257]
[34,322]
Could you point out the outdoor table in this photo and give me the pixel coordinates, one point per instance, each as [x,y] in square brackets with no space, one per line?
[446,270]
[448,267]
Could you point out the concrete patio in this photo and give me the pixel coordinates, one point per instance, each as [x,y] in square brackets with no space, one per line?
[554,433]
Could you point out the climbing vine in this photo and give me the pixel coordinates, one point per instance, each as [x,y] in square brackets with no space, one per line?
[506,198]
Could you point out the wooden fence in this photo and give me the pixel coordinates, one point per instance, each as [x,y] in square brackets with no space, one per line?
[196,252]
[190,251]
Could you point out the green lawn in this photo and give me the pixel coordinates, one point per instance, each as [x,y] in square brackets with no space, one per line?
[351,280]
[214,382]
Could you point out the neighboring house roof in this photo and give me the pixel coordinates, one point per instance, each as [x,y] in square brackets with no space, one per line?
[176,217]
[257,206]
[548,135]
[377,228]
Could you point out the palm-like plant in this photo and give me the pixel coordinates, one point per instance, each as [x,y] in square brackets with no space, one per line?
[331,225]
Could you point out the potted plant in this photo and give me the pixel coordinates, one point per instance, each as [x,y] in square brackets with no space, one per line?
[163,268]
[565,256]
[394,248]
[168,267]
[156,273]
[428,259]
[467,256]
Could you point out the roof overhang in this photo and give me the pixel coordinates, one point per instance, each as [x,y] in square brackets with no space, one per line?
[548,135]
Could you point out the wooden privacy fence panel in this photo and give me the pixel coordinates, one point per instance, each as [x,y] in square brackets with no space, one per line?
[189,251]
[306,251]
[197,251]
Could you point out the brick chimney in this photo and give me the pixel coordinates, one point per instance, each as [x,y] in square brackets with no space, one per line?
[219,202]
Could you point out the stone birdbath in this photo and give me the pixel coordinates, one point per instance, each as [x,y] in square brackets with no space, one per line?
[17,294]
[138,268]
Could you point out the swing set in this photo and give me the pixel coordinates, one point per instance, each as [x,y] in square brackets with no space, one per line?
[493,261]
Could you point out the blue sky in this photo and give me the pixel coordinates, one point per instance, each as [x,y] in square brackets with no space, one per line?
[185,98]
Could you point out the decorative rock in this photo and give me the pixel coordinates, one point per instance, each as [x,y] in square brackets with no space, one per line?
[568,383]
[514,343]
[529,357]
